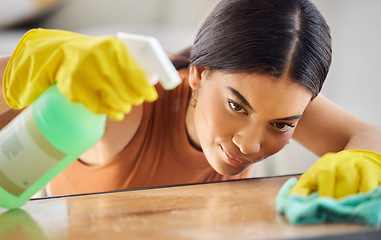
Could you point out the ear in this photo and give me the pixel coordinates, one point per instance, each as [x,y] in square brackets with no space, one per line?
[195,77]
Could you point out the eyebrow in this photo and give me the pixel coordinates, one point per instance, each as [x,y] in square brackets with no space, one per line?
[294,117]
[241,98]
[244,101]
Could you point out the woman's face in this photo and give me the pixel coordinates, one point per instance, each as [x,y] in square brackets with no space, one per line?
[241,118]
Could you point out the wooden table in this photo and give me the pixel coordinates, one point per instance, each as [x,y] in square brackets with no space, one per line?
[243,209]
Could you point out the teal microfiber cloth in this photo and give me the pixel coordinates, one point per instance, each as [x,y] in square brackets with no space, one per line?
[361,208]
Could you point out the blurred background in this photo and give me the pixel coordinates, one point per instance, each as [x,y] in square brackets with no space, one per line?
[353,81]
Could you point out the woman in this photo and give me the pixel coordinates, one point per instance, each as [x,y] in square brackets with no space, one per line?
[251,82]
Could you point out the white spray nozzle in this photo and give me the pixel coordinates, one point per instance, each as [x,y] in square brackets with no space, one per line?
[151,57]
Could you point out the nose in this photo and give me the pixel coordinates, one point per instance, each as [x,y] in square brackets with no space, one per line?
[248,140]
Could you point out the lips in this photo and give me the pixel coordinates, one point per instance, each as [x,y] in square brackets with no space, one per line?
[235,161]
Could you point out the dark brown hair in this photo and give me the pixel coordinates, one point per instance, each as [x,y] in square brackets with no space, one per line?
[279,37]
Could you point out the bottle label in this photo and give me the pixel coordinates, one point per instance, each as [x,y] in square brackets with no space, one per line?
[25,154]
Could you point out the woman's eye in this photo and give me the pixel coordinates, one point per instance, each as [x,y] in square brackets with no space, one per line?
[236,107]
[283,127]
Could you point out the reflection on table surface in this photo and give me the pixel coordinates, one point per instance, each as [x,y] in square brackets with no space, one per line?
[243,209]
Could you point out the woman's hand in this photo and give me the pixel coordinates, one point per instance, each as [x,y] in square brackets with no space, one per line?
[340,174]
[95,71]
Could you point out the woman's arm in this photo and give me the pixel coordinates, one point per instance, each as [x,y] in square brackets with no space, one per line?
[326,127]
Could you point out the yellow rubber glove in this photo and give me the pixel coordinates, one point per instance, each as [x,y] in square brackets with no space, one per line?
[340,174]
[95,71]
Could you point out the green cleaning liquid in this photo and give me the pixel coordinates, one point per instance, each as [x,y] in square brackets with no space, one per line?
[41,142]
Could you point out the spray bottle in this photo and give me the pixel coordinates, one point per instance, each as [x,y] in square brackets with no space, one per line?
[42,141]
[53,132]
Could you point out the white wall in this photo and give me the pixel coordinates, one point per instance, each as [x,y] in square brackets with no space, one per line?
[173,22]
